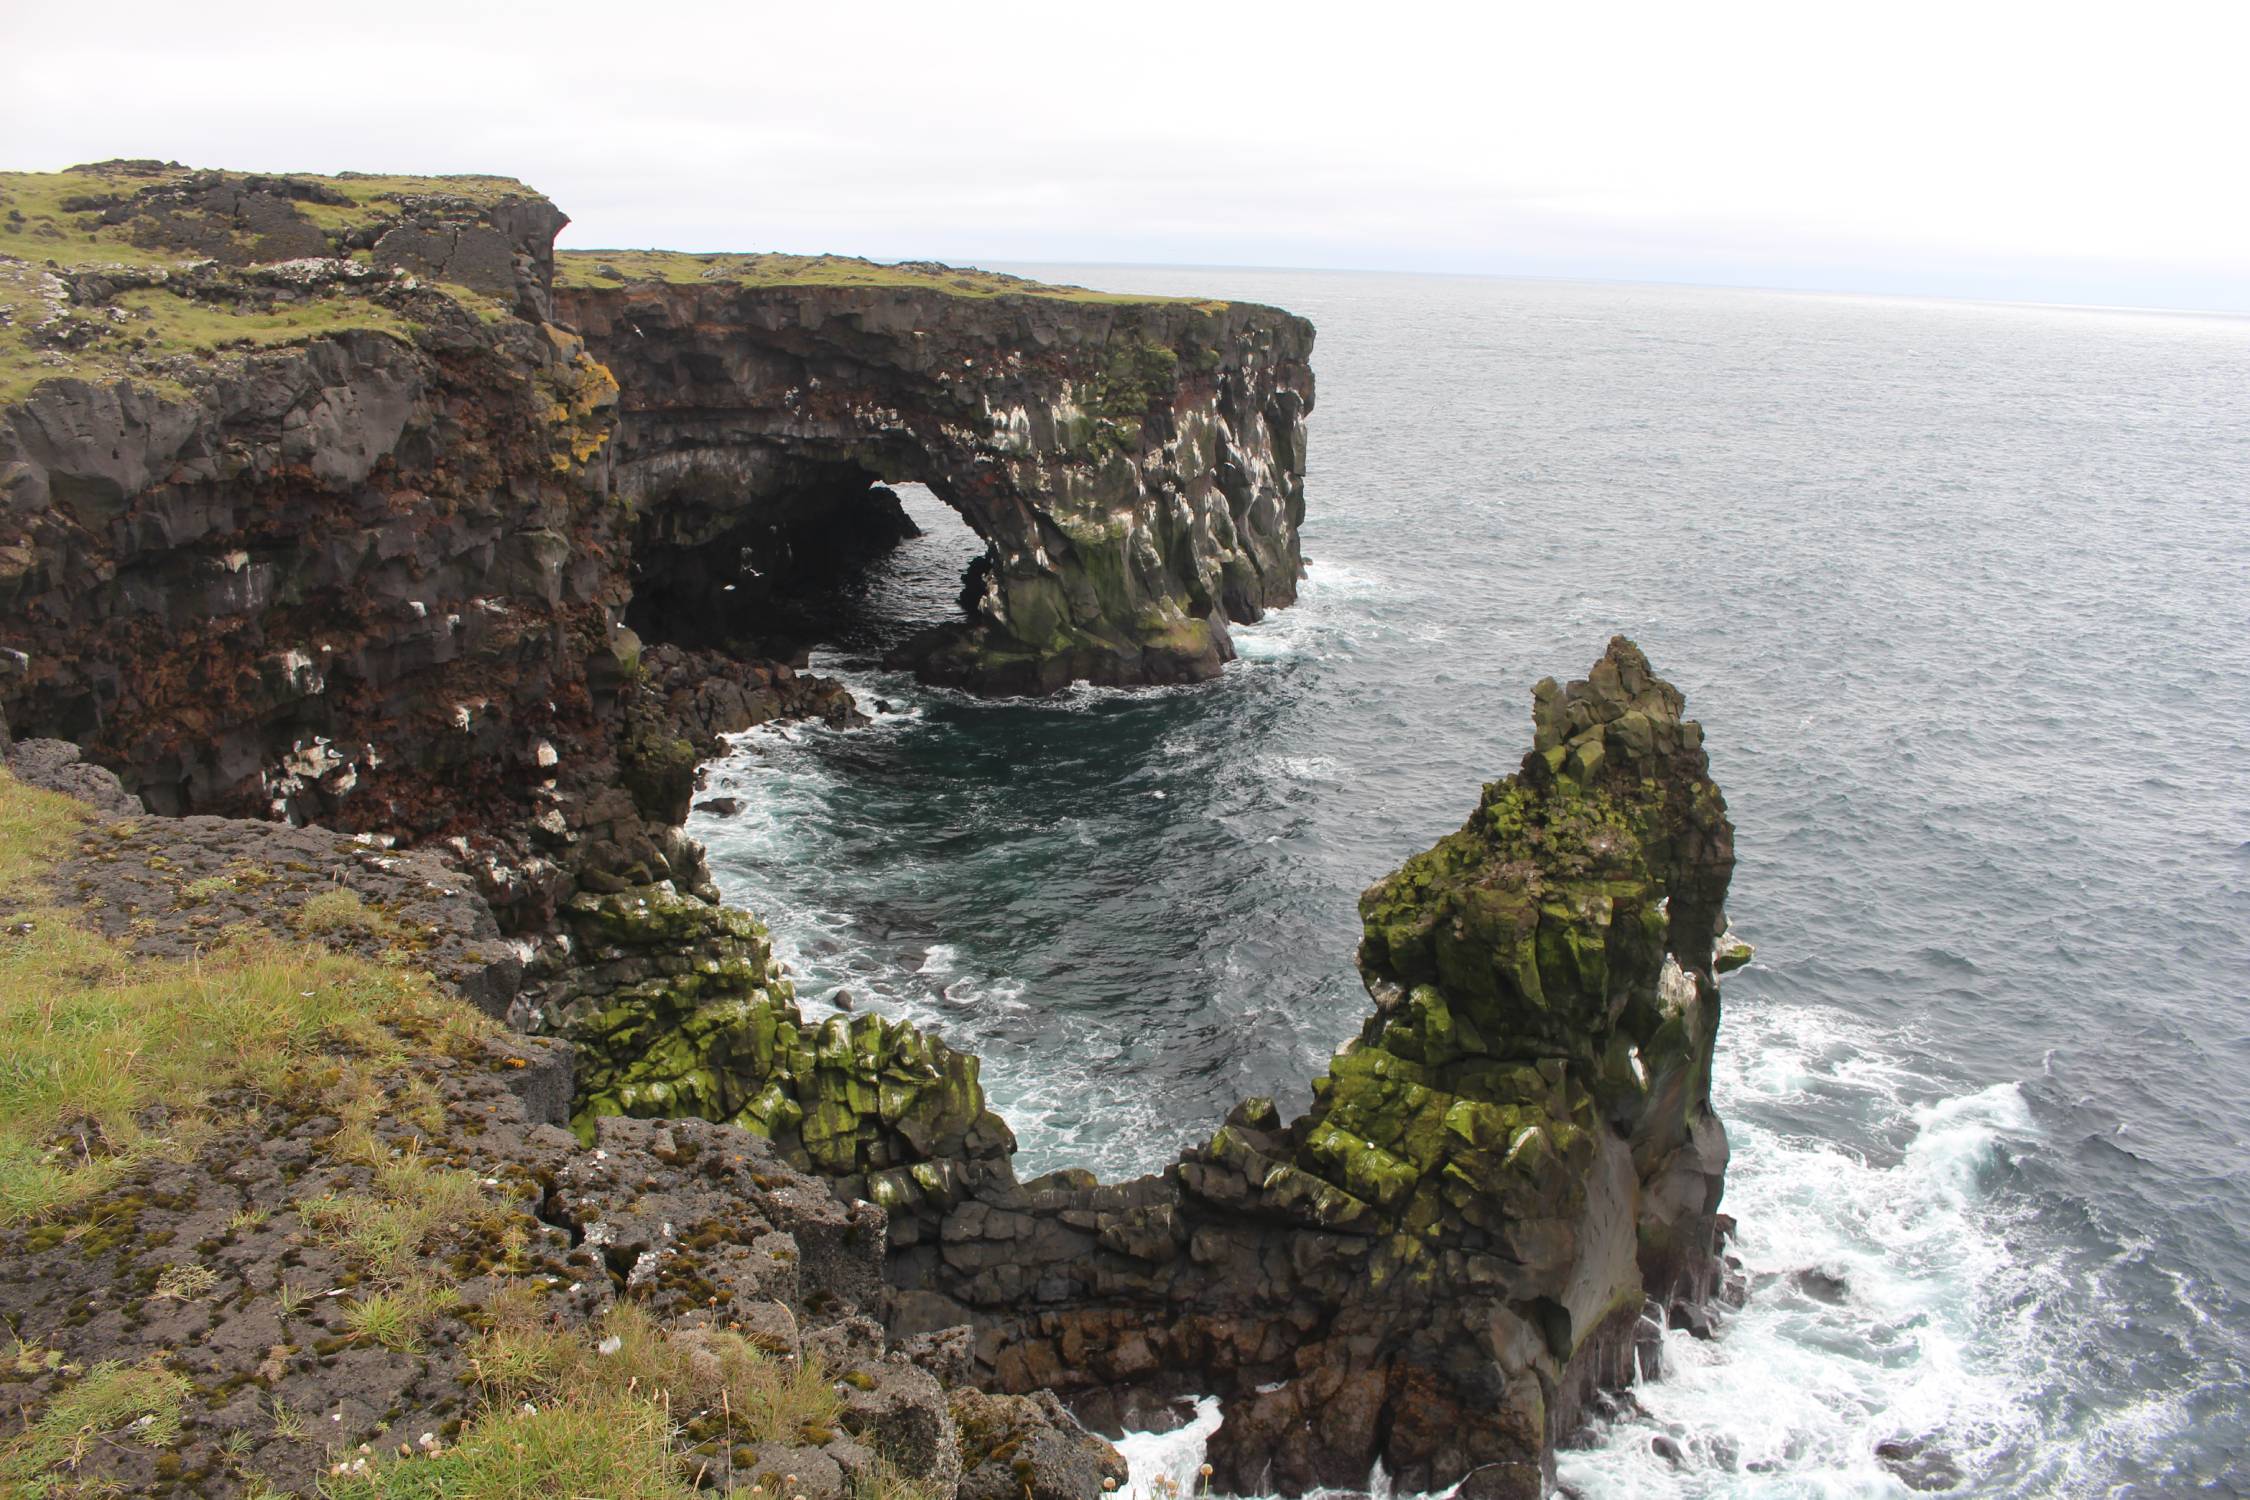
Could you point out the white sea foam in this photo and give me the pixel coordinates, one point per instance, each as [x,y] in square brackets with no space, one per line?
[1795,1394]
[1924,1343]
[1169,1456]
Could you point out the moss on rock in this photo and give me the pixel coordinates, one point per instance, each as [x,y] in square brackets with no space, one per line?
[1548,967]
[706,1026]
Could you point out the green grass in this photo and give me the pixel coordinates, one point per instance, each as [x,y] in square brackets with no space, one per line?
[600,1443]
[161,330]
[604,1412]
[712,1379]
[341,913]
[93,1039]
[582,268]
[37,830]
[160,336]
[396,1319]
[107,1399]
[35,224]
[386,1232]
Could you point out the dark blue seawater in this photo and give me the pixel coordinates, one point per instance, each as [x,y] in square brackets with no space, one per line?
[1962,595]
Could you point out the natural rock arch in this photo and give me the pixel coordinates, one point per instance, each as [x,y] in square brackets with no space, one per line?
[1135,468]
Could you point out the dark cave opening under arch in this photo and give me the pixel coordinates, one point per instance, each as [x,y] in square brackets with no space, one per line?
[817,554]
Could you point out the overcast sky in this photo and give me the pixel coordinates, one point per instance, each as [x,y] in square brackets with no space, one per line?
[2051,152]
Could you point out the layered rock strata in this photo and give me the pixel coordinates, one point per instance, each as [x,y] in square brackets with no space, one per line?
[315,506]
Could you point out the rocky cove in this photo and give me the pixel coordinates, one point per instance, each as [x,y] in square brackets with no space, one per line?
[464,576]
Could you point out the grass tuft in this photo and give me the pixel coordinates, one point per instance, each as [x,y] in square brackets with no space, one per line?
[108,1060]
[396,1319]
[387,1231]
[601,1443]
[109,1400]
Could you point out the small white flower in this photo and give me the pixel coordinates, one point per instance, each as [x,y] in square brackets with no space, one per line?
[609,1345]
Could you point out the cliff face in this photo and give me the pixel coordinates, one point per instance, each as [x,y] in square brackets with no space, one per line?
[308,510]
[351,580]
[1135,467]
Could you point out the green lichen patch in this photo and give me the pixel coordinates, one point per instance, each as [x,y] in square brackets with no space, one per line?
[719,1037]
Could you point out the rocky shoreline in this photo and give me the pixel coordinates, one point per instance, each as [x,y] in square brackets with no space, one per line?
[469,593]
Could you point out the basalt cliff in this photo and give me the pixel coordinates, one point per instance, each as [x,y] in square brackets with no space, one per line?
[407,571]
[319,500]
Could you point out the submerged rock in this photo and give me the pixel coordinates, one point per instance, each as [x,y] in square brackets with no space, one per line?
[1920,1464]
[1821,1285]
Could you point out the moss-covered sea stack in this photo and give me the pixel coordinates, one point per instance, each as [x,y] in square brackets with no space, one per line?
[1505,1187]
[1544,972]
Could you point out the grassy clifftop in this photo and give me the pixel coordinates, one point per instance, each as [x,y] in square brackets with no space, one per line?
[155,271]
[602,268]
[108,213]
[269,1213]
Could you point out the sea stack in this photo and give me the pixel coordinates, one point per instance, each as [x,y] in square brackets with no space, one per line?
[1506,1185]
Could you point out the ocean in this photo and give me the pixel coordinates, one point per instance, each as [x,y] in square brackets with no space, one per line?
[1961,594]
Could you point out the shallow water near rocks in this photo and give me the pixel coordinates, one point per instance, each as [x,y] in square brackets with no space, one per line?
[1962,596]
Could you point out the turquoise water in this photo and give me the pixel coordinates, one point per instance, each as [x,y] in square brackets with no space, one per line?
[1962,596]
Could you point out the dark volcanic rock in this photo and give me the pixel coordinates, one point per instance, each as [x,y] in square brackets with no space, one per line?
[1919,1463]
[1821,1285]
[1029,1448]
[1136,468]
[1502,1185]
[1505,1187]
[60,766]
